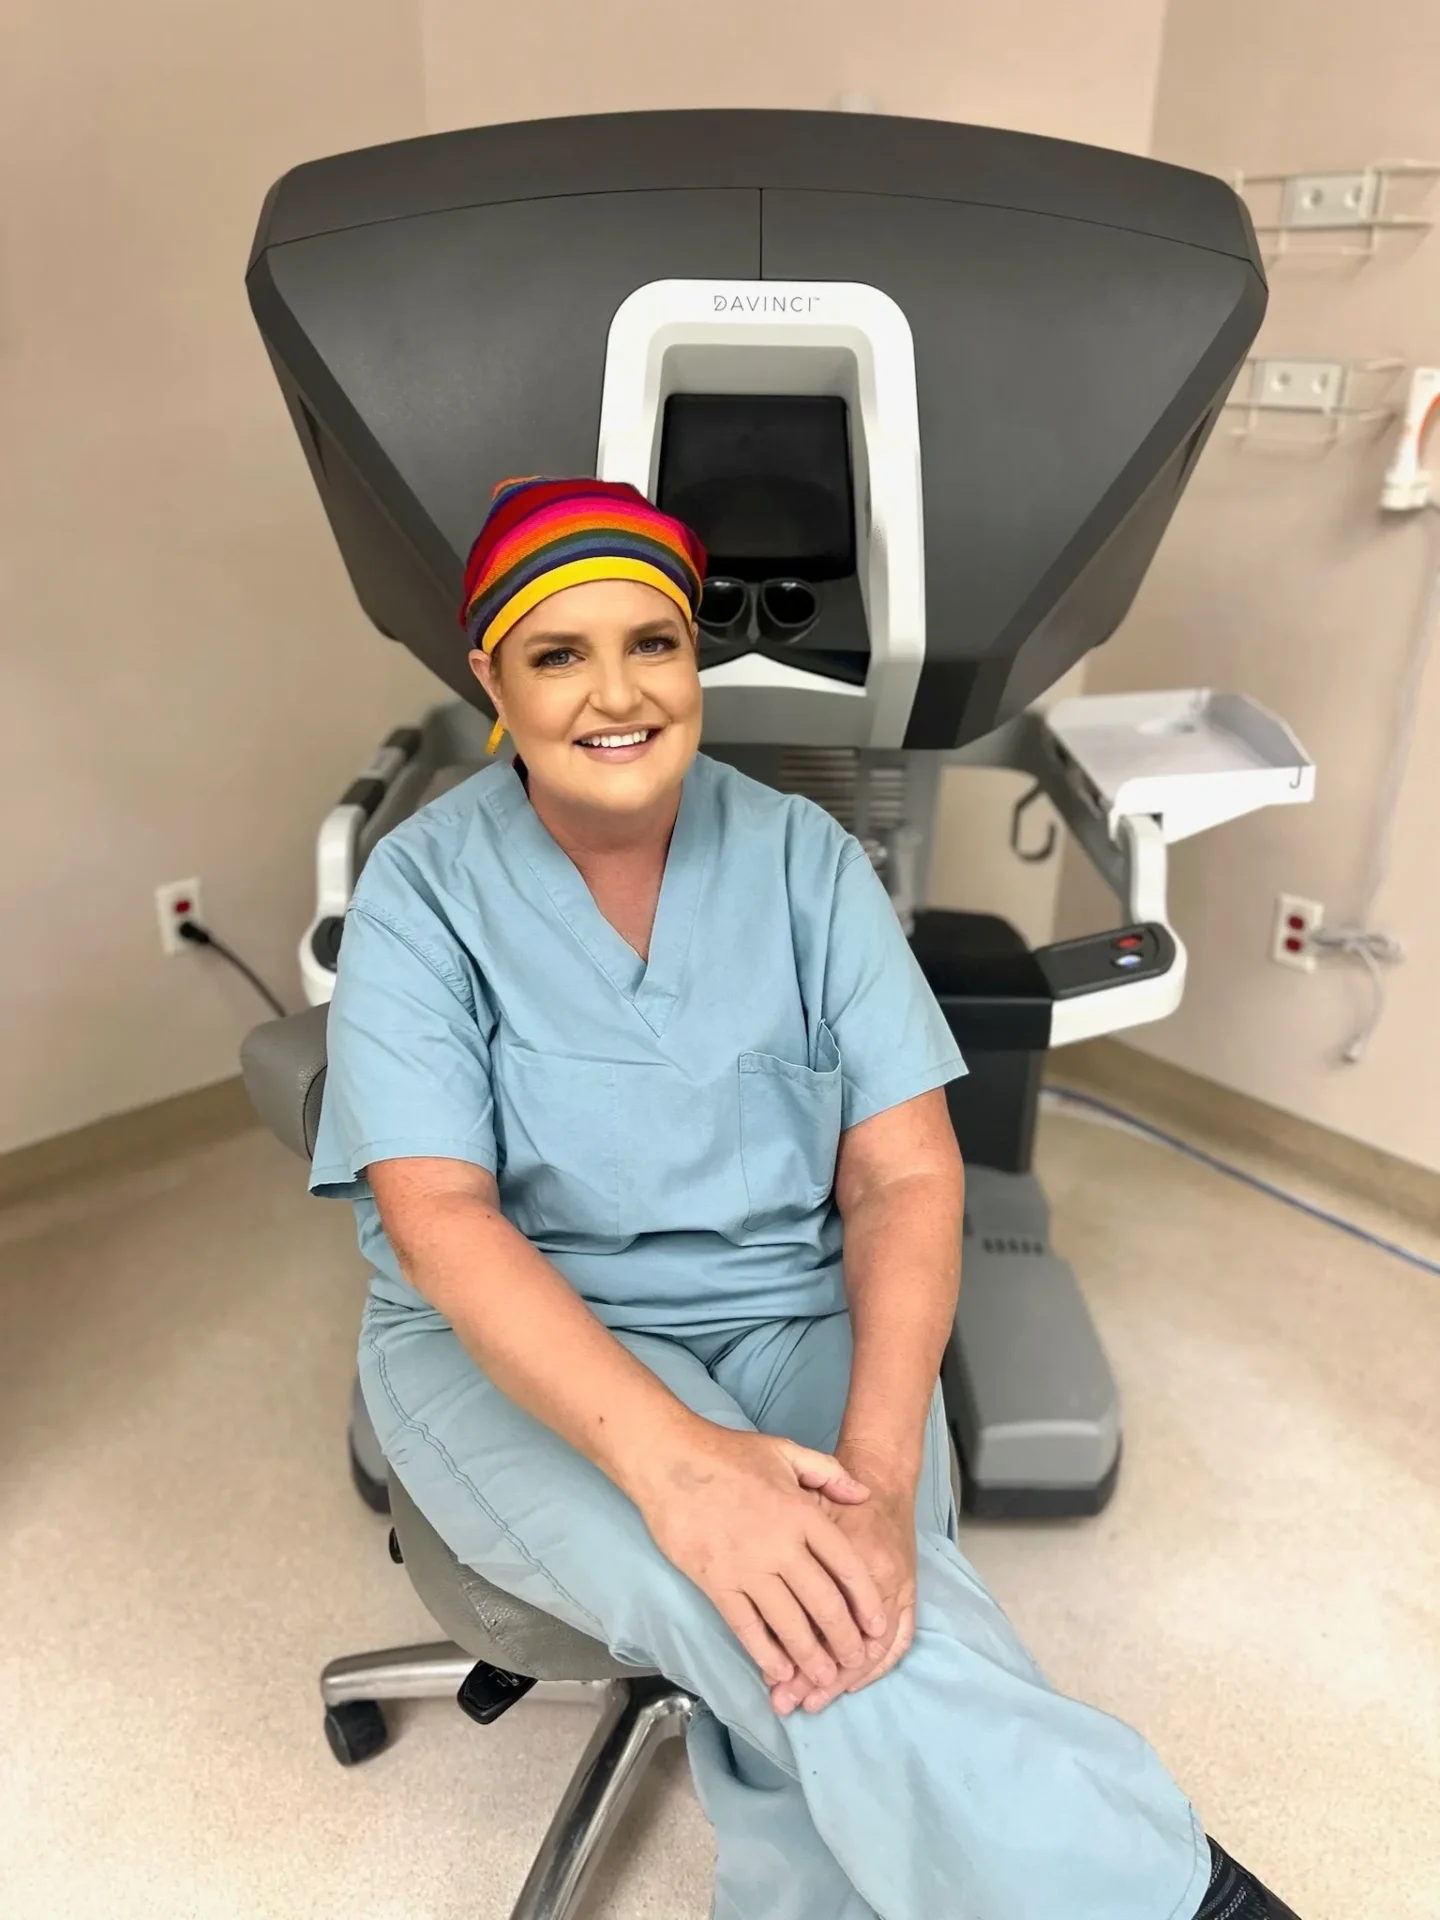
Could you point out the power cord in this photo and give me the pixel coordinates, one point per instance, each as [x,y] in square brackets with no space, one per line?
[1091,1107]
[1373,951]
[199,936]
[1360,941]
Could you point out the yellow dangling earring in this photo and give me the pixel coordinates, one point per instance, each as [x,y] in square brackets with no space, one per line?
[497,734]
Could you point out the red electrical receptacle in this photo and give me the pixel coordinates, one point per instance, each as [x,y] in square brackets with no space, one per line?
[177,900]
[1292,938]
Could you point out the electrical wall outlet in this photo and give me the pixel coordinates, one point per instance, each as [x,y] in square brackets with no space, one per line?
[1292,941]
[177,900]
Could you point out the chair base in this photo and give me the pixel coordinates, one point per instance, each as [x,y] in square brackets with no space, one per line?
[636,1717]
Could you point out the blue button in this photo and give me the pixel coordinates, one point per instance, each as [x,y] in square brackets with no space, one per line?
[1126,960]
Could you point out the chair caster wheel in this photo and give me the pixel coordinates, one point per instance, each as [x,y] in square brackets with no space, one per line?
[356,1731]
[375,1493]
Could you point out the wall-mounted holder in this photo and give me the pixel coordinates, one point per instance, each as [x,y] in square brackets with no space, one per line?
[1408,485]
[1323,389]
[1349,211]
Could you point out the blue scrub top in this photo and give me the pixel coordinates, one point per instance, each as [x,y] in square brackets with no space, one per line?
[666,1132]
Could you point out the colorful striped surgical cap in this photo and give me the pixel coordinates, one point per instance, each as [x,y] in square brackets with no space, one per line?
[542,536]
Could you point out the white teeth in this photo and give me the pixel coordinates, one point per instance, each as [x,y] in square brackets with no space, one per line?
[615,739]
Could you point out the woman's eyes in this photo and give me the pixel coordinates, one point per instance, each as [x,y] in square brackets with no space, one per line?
[652,645]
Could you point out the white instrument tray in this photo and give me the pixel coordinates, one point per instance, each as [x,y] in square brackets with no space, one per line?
[1191,759]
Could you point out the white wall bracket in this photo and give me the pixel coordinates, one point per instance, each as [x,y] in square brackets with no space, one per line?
[1332,391]
[1409,485]
[1349,211]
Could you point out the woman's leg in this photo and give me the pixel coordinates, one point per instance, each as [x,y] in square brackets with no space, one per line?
[961,1783]
[960,1787]
[513,1500]
[771,1863]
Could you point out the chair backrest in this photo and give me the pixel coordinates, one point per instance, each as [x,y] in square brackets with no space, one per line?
[283,1064]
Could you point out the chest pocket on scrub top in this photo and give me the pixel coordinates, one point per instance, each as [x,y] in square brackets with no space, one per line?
[789,1131]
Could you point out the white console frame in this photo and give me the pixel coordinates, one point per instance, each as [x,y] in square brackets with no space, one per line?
[1126,823]
[792,337]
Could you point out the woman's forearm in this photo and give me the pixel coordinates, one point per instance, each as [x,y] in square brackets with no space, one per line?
[532,1335]
[902,1278]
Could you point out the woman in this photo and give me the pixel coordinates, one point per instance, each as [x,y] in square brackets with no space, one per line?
[638,1092]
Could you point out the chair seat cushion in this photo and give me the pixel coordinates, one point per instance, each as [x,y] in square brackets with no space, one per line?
[485,1620]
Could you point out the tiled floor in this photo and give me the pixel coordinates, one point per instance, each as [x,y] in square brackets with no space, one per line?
[182,1552]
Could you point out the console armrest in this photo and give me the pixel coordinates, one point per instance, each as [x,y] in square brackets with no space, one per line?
[284,1067]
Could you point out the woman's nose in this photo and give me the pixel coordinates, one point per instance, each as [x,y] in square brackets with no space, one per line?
[615,689]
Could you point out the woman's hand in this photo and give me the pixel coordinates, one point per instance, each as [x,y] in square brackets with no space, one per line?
[755,1521]
[883,1532]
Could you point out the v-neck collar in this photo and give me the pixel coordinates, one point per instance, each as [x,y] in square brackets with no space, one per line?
[652,987]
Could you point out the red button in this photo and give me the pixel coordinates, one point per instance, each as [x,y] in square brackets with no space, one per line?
[1129,941]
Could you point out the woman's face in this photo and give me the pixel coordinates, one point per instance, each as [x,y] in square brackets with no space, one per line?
[599,687]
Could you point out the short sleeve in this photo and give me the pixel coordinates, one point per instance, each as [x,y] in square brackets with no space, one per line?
[894,1041]
[408,1060]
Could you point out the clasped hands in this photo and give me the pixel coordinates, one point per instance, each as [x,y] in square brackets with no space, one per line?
[808,1557]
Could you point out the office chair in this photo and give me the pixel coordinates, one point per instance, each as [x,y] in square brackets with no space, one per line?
[499,1649]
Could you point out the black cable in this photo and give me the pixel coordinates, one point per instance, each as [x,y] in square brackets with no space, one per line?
[199,936]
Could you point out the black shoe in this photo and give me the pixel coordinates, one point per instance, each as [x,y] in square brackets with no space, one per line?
[1235,1894]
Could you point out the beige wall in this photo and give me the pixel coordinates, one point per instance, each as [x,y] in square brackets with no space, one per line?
[1280,577]
[1078,69]
[185,681]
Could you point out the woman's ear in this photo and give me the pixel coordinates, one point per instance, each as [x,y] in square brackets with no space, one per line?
[482,665]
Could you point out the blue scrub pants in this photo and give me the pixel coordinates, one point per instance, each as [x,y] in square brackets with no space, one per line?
[959,1787]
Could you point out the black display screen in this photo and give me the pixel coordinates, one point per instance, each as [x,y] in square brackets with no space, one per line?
[764,479]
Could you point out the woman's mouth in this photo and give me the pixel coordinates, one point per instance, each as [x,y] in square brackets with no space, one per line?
[617,747]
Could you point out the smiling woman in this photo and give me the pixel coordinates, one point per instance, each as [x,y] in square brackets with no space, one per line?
[637,1089]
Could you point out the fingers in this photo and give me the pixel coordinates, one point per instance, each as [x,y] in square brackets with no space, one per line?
[821,1471]
[899,1647]
[795,1631]
[791,1693]
[828,1608]
[744,1621]
[842,1559]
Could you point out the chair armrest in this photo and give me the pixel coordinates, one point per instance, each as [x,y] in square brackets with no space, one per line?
[283,1063]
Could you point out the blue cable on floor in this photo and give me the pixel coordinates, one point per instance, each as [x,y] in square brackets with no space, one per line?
[1216,1165]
